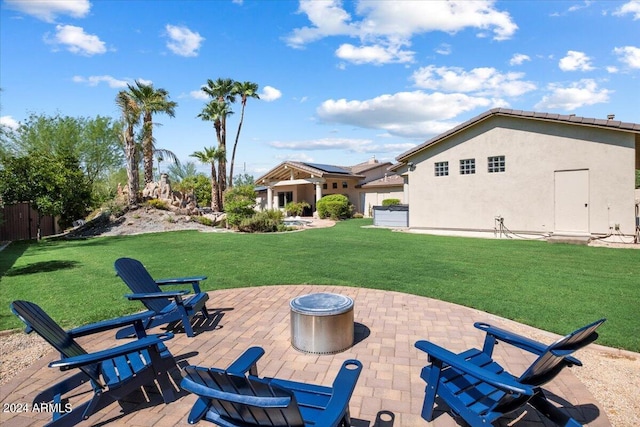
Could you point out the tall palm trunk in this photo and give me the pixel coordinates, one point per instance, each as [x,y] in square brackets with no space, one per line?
[132,167]
[147,147]
[215,191]
[222,172]
[235,145]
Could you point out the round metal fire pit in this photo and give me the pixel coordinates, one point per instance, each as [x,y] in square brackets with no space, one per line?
[322,323]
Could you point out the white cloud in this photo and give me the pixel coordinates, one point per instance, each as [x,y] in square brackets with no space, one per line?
[270,94]
[632,7]
[576,95]
[9,122]
[443,49]
[375,54]
[199,94]
[612,70]
[408,114]
[346,144]
[96,80]
[519,59]
[629,55]
[76,40]
[295,157]
[385,27]
[183,41]
[575,61]
[481,81]
[48,10]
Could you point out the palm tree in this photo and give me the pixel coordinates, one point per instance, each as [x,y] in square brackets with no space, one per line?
[217,112]
[130,117]
[150,101]
[221,90]
[246,90]
[179,171]
[211,155]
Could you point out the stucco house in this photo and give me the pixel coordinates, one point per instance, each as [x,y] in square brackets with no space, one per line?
[527,172]
[363,184]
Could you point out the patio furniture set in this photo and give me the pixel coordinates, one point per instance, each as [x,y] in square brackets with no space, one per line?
[473,385]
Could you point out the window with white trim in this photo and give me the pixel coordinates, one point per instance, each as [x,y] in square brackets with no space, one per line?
[496,164]
[442,168]
[467,166]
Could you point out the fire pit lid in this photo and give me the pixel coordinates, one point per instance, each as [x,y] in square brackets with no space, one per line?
[321,304]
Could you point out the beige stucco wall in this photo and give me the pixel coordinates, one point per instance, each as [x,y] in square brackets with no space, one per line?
[524,194]
[375,196]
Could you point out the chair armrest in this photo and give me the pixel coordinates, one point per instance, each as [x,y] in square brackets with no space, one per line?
[246,362]
[99,356]
[342,389]
[194,280]
[152,295]
[262,402]
[519,341]
[502,382]
[106,325]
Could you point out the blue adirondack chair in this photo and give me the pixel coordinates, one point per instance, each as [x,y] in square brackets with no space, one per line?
[113,373]
[480,391]
[162,306]
[236,397]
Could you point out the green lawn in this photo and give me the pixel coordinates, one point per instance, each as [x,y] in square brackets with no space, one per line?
[553,287]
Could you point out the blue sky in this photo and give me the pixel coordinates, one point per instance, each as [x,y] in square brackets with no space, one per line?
[339,82]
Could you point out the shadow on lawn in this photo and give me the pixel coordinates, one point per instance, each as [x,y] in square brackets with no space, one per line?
[10,255]
[42,267]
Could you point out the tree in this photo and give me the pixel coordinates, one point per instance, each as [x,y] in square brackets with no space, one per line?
[53,185]
[217,112]
[244,179]
[130,117]
[222,91]
[179,171]
[150,101]
[245,90]
[211,155]
[95,142]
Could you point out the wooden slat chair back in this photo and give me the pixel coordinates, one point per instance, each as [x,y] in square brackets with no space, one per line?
[138,279]
[37,320]
[240,400]
[552,361]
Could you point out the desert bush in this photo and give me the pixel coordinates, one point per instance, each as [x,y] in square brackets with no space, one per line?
[239,203]
[203,220]
[334,206]
[262,222]
[390,202]
[296,208]
[157,204]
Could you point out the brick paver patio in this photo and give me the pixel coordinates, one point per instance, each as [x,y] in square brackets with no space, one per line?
[389,391]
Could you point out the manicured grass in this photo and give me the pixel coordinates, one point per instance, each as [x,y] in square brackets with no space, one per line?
[553,287]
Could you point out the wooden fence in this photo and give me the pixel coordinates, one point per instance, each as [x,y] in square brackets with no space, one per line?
[20,222]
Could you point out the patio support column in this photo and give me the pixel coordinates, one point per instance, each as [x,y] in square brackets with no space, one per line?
[405,190]
[318,196]
[269,197]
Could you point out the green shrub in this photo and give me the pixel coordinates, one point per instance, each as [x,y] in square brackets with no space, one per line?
[390,202]
[113,207]
[239,203]
[158,204]
[334,206]
[203,220]
[296,208]
[199,185]
[262,222]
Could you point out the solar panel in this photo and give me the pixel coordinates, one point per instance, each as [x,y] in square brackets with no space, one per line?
[328,168]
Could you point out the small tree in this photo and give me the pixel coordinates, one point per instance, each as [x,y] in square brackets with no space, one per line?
[53,186]
[239,203]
